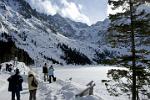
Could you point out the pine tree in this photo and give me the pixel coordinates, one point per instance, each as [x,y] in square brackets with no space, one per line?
[130,29]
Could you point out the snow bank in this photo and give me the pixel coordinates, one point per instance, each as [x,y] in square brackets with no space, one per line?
[20,65]
[59,90]
[90,98]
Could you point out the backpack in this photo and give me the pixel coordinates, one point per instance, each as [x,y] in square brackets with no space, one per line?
[54,79]
[34,82]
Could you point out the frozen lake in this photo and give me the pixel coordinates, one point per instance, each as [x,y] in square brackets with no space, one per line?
[84,74]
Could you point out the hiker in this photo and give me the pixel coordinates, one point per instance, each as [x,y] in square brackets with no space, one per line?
[32,84]
[15,84]
[45,72]
[51,74]
[7,67]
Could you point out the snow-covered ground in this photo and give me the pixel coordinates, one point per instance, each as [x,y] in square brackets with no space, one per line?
[84,74]
[63,88]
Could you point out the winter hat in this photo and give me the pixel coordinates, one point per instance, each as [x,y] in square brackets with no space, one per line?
[51,66]
[30,73]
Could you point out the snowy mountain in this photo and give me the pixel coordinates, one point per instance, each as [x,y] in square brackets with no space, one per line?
[77,30]
[60,40]
[44,37]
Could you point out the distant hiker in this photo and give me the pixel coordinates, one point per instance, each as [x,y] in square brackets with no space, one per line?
[15,62]
[7,67]
[32,84]
[15,84]
[45,71]
[10,67]
[51,74]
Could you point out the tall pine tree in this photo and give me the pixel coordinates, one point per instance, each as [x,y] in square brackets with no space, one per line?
[130,30]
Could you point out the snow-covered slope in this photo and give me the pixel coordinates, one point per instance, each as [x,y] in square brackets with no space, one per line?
[40,35]
[39,38]
[79,31]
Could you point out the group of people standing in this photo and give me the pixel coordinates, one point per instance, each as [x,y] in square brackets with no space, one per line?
[48,73]
[16,80]
[15,85]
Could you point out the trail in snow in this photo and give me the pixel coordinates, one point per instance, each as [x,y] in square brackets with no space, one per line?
[61,89]
[45,90]
[58,90]
[5,94]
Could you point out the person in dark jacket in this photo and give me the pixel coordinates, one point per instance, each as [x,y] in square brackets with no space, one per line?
[45,72]
[15,85]
[10,68]
[7,67]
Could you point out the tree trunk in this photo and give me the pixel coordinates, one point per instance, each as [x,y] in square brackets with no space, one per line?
[133,54]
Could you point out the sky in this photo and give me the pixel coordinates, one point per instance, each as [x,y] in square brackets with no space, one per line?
[86,11]
[95,10]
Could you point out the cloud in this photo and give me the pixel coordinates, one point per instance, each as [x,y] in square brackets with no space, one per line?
[65,8]
[43,6]
[72,11]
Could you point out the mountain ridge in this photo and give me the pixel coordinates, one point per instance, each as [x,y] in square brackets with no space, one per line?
[53,38]
[39,36]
